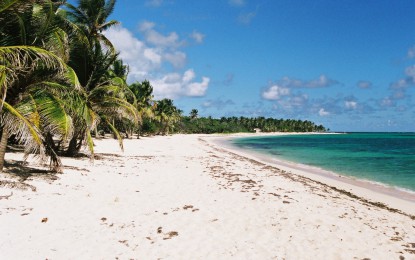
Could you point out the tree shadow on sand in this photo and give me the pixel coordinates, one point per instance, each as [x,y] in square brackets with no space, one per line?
[18,172]
[22,171]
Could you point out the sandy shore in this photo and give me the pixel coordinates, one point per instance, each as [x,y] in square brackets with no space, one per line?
[186,197]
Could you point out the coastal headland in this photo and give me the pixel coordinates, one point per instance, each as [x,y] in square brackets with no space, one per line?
[192,197]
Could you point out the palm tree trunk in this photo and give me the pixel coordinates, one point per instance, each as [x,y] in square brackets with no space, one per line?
[96,132]
[71,151]
[138,132]
[3,146]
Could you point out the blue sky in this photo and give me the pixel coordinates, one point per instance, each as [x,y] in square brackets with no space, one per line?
[349,65]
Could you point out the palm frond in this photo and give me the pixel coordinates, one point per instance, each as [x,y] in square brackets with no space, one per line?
[108,25]
[73,29]
[43,17]
[59,44]
[7,4]
[54,117]
[3,84]
[116,133]
[109,8]
[20,57]
[76,13]
[107,43]
[118,108]
[16,123]
[72,78]
[22,29]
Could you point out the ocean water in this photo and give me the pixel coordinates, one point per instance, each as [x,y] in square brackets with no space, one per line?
[386,158]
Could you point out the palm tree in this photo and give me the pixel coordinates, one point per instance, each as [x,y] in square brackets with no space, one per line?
[119,70]
[143,93]
[194,113]
[32,64]
[94,59]
[106,98]
[91,16]
[167,114]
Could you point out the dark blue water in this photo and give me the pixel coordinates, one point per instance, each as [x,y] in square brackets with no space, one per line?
[388,158]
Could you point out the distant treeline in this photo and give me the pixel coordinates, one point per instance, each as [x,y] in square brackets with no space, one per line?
[209,125]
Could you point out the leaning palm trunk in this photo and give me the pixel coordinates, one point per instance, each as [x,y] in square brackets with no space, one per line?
[72,151]
[75,144]
[50,147]
[3,146]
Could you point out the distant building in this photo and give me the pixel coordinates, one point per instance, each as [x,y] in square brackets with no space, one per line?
[257,130]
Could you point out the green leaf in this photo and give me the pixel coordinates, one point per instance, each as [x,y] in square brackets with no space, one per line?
[6,4]
[116,133]
[36,137]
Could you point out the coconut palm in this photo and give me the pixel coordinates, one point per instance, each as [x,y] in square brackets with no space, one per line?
[145,104]
[167,114]
[96,63]
[31,61]
[119,70]
[92,18]
[194,113]
[106,97]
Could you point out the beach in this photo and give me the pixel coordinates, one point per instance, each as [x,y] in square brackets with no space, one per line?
[193,197]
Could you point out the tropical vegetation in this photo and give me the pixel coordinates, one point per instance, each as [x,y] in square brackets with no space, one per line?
[62,82]
[208,125]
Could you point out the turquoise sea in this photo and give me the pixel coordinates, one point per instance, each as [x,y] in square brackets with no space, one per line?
[387,158]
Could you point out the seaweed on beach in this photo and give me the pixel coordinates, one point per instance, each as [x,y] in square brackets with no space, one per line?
[306,181]
[16,185]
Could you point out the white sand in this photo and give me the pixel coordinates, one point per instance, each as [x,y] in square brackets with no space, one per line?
[182,197]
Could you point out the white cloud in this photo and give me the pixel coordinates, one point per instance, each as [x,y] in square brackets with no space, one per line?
[387,102]
[175,85]
[197,89]
[350,105]
[237,2]
[146,25]
[197,36]
[321,82]
[299,100]
[154,3]
[398,94]
[400,86]
[188,76]
[410,72]
[275,92]
[323,112]
[407,81]
[141,58]
[364,84]
[153,37]
[149,62]
[177,58]
[294,104]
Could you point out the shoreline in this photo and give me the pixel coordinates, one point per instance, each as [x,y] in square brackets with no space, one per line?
[394,197]
[185,197]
